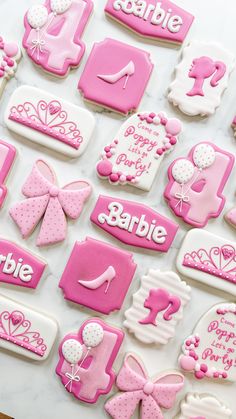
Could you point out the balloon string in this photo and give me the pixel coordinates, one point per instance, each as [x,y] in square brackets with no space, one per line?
[85,356]
[184,193]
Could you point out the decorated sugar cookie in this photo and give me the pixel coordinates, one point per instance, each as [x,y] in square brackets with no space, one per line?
[196,183]
[44,200]
[7,157]
[50,121]
[230,217]
[10,55]
[234,125]
[201,78]
[210,259]
[138,149]
[52,37]
[116,76]
[210,350]
[157,307]
[203,406]
[86,360]
[137,390]
[164,21]
[97,275]
[25,331]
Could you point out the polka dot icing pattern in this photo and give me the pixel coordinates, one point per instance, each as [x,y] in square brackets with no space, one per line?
[203,406]
[48,202]
[196,183]
[10,55]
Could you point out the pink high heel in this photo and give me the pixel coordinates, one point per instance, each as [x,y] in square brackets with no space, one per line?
[127,71]
[106,276]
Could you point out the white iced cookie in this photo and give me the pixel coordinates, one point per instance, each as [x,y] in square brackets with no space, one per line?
[203,406]
[25,331]
[10,55]
[157,307]
[201,78]
[49,120]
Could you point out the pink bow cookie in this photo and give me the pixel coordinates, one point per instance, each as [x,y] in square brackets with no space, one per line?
[48,202]
[133,381]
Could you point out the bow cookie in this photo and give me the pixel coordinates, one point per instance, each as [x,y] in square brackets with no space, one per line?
[133,381]
[48,202]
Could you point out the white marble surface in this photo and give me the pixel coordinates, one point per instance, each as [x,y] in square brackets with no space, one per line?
[33,391]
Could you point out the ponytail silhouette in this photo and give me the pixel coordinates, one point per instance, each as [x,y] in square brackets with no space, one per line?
[203,68]
[160,300]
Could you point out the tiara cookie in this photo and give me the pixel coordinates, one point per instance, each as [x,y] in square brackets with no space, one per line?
[203,406]
[10,55]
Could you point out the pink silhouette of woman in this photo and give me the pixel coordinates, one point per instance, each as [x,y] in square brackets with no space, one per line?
[157,301]
[202,68]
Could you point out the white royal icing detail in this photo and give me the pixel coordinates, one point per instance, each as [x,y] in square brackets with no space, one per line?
[202,406]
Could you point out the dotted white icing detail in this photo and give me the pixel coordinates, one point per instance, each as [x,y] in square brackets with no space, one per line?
[204,156]
[37,16]
[92,334]
[72,351]
[182,171]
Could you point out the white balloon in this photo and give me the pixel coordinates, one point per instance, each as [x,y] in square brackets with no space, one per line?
[37,16]
[92,334]
[72,351]
[60,6]
[204,156]
[182,171]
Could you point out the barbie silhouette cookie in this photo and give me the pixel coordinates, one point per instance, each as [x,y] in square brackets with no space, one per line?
[210,351]
[116,75]
[157,307]
[97,275]
[53,32]
[201,78]
[196,183]
[10,55]
[86,360]
[203,406]
[138,149]
[7,157]
[138,390]
[44,200]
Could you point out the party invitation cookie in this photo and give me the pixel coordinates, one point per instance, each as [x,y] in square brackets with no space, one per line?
[116,76]
[210,259]
[87,358]
[134,224]
[164,21]
[97,275]
[52,37]
[196,183]
[138,390]
[25,331]
[7,157]
[10,55]
[210,350]
[157,307]
[203,406]
[138,149]
[50,121]
[201,78]
[45,201]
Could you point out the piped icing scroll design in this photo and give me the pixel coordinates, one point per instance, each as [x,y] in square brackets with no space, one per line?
[15,328]
[49,118]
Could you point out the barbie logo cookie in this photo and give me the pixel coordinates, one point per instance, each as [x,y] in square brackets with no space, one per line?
[50,121]
[157,307]
[116,76]
[196,183]
[25,331]
[201,78]
[164,20]
[134,224]
[10,55]
[48,202]
[210,350]
[138,149]
[137,390]
[210,259]
[53,32]
[203,406]
[97,275]
[7,157]
[86,360]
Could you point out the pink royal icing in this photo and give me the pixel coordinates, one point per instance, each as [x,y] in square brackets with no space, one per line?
[134,224]
[157,301]
[103,284]
[116,75]
[162,20]
[48,202]
[86,360]
[7,157]
[203,68]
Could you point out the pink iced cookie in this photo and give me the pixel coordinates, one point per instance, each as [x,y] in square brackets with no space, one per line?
[10,55]
[196,183]
[48,202]
[116,75]
[53,32]
[163,21]
[210,351]
[137,389]
[86,359]
[103,284]
[134,224]
[7,157]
